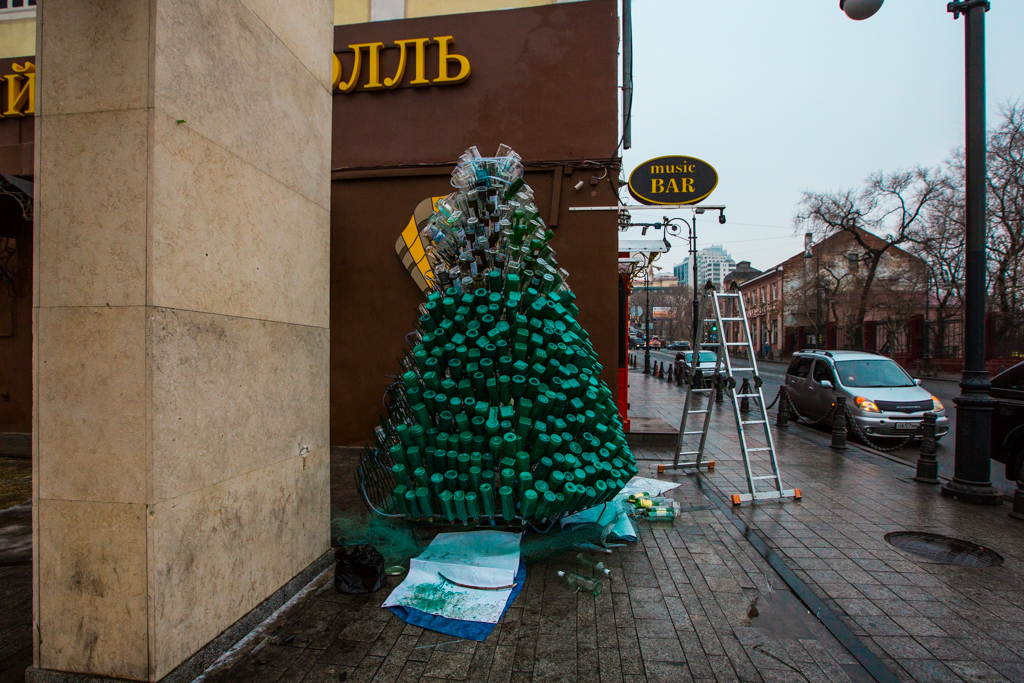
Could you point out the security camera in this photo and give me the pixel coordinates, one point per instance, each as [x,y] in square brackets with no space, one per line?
[721,218]
[859,10]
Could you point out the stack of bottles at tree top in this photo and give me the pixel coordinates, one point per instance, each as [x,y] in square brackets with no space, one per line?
[499,415]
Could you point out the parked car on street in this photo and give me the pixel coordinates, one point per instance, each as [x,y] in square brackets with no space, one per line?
[679,346]
[705,366]
[1008,420]
[883,399]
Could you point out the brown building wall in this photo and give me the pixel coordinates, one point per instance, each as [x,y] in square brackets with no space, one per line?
[16,136]
[16,348]
[544,81]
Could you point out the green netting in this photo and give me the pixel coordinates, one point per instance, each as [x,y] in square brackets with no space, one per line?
[498,414]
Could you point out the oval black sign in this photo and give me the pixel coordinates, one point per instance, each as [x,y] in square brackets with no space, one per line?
[672,180]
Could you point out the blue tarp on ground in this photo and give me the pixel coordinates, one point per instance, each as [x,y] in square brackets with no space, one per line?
[470,630]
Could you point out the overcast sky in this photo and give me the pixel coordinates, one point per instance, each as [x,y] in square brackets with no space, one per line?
[789,95]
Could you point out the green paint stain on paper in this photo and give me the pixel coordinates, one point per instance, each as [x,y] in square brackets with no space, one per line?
[431,597]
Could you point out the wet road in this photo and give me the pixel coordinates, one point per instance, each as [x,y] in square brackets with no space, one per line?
[773,375]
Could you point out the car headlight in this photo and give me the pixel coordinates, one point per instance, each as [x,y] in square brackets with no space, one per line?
[937,406]
[866,405]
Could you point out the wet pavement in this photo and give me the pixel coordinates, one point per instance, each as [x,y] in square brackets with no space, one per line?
[719,594]
[804,590]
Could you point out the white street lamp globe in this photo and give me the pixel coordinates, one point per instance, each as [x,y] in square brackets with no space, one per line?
[859,10]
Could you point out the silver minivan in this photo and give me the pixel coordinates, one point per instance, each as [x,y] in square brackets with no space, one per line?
[883,399]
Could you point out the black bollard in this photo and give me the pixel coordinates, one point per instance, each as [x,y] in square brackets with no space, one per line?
[670,372]
[745,402]
[927,464]
[782,417]
[839,425]
[719,393]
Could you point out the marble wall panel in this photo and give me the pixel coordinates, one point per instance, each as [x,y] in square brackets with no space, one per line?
[91,223]
[218,552]
[229,239]
[91,404]
[292,23]
[232,395]
[96,55]
[222,71]
[91,585]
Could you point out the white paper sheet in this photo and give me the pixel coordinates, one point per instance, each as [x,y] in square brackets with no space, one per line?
[477,558]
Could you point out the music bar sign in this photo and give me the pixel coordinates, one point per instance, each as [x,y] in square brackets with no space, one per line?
[672,180]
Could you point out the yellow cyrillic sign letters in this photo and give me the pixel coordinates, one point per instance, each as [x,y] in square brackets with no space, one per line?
[443,58]
[373,51]
[21,90]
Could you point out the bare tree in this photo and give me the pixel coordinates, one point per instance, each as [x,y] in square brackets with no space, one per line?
[877,218]
[939,242]
[1006,216]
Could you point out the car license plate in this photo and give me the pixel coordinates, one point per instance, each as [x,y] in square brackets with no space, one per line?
[908,426]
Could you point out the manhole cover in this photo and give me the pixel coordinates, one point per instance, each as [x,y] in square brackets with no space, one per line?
[944,550]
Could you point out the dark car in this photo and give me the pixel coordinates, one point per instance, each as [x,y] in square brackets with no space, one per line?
[679,346]
[1008,420]
[705,366]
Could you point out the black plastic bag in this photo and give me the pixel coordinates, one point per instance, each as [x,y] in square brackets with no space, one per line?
[358,571]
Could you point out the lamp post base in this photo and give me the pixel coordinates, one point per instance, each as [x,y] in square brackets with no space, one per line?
[972,492]
[971,481]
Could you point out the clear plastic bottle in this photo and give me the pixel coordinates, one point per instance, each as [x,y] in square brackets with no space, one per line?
[595,566]
[582,583]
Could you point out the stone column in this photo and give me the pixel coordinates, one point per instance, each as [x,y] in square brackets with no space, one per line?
[181,324]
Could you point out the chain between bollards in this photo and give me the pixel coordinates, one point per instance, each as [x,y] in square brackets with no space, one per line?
[927,463]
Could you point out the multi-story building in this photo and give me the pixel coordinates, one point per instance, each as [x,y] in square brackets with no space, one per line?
[713,263]
[814,299]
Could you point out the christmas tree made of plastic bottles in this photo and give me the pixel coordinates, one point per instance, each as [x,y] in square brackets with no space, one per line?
[498,415]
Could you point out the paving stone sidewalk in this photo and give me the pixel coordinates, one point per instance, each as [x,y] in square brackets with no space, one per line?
[926,621]
[693,600]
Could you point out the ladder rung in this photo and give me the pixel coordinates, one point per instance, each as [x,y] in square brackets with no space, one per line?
[742,369]
[731,320]
[701,391]
[735,343]
[758,449]
[770,476]
[687,453]
[752,422]
[699,431]
[746,395]
[727,296]
[697,412]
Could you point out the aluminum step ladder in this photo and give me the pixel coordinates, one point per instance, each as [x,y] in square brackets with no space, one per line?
[719,309]
[687,456]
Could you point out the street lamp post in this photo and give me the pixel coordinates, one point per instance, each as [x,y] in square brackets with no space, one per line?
[647,321]
[972,467]
[926,357]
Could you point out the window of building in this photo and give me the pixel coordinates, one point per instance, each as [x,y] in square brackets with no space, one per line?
[854,260]
[19,8]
